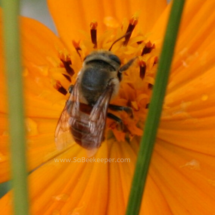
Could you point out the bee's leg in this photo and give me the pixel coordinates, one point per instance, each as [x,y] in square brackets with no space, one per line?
[70,88]
[128,110]
[117,119]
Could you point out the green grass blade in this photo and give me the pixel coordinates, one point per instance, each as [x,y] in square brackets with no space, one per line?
[15,104]
[155,108]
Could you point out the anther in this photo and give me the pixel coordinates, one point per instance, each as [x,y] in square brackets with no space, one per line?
[148,48]
[67,64]
[67,77]
[140,42]
[60,88]
[150,86]
[93,32]
[142,65]
[77,47]
[155,61]
[131,26]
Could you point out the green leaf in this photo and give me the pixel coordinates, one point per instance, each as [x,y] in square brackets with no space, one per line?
[155,108]
[15,104]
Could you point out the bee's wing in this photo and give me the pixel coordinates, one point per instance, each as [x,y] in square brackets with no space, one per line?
[97,120]
[63,135]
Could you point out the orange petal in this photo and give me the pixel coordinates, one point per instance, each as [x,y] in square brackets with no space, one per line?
[61,192]
[71,17]
[151,195]
[185,178]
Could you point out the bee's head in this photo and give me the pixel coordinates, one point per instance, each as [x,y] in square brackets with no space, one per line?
[109,58]
[105,56]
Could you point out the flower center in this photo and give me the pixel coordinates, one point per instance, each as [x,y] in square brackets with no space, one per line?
[137,82]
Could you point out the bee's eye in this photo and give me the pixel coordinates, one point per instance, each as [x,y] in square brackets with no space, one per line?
[115,58]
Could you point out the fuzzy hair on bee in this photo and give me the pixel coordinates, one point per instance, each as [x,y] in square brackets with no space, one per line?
[83,118]
[100,69]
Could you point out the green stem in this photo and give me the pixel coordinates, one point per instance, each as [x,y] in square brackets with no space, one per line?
[15,104]
[152,121]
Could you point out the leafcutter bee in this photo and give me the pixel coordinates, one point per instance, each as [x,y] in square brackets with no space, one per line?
[85,112]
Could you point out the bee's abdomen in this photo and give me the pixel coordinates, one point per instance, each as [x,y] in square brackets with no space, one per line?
[82,134]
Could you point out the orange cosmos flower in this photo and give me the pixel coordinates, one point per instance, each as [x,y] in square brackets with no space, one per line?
[182,173]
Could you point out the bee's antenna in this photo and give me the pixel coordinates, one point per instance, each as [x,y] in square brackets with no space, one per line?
[118,40]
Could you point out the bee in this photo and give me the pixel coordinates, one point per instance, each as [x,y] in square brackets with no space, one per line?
[83,118]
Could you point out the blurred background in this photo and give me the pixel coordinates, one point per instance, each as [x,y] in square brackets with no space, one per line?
[37,9]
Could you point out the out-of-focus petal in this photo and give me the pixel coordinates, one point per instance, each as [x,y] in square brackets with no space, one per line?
[40,52]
